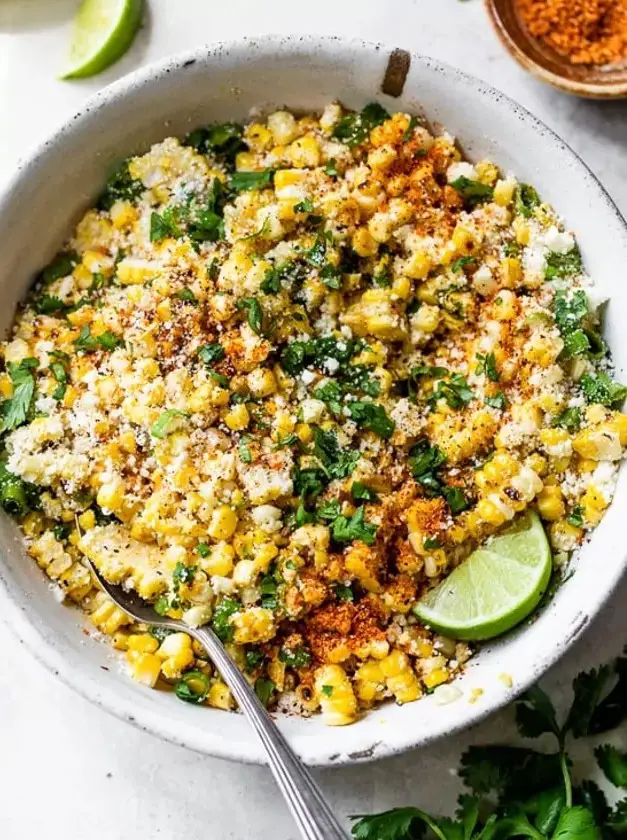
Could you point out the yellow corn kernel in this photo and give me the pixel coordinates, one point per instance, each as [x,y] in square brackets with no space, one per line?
[538,463]
[142,643]
[521,230]
[246,162]
[282,124]
[219,696]
[145,667]
[119,640]
[304,152]
[463,239]
[265,555]
[220,561]
[489,512]
[594,504]
[6,386]
[123,214]
[427,319]
[131,272]
[618,423]
[504,192]
[261,382]
[505,305]
[223,523]
[402,288]
[258,137]
[601,444]
[551,503]
[237,418]
[304,432]
[586,465]
[111,495]
[564,536]
[511,272]
[363,243]
[487,172]
[335,695]
[369,682]
[174,645]
[436,677]
[253,625]
[382,158]
[400,677]
[418,265]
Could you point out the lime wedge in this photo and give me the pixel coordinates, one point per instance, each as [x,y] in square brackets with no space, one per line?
[497,587]
[103,31]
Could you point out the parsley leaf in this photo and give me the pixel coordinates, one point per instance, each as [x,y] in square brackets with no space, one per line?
[472,192]
[372,417]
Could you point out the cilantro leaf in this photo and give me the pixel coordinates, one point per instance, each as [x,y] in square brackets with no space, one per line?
[187,296]
[89,343]
[222,139]
[264,689]
[162,225]
[337,462]
[166,423]
[462,262]
[563,266]
[331,393]
[613,763]
[354,129]
[221,620]
[47,304]
[397,824]
[14,411]
[454,391]
[487,365]
[242,181]
[569,419]
[588,687]
[347,530]
[472,192]
[535,714]
[612,710]
[329,510]
[120,187]
[600,388]
[361,493]
[372,417]
[498,401]
[330,169]
[344,592]
[255,313]
[61,376]
[512,773]
[295,658]
[576,823]
[527,199]
[211,353]
[575,517]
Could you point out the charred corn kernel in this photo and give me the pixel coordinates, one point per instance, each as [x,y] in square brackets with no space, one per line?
[511,272]
[145,667]
[219,696]
[463,239]
[282,124]
[223,523]
[489,512]
[238,418]
[400,677]
[335,695]
[261,382]
[427,319]
[364,243]
[521,230]
[304,152]
[487,172]
[142,643]
[435,677]
[504,192]
[551,503]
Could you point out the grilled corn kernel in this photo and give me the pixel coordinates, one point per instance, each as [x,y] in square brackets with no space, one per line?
[238,418]
[223,523]
[551,503]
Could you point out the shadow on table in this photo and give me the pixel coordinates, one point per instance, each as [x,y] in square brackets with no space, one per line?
[24,15]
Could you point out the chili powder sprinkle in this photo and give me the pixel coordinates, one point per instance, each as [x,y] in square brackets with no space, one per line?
[585,31]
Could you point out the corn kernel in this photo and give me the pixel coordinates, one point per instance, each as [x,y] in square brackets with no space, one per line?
[237,418]
[223,523]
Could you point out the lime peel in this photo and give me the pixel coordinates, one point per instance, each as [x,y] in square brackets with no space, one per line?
[497,587]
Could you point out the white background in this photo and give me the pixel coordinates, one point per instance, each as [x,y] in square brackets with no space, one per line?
[68,770]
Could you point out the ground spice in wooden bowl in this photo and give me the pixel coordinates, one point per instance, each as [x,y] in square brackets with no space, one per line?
[584,31]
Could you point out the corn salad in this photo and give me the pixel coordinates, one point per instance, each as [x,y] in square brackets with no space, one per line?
[282,379]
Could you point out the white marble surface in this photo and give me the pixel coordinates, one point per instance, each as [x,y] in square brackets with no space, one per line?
[70,771]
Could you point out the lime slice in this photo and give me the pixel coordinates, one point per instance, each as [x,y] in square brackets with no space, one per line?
[103,31]
[497,587]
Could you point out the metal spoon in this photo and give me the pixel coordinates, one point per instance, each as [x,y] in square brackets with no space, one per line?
[304,798]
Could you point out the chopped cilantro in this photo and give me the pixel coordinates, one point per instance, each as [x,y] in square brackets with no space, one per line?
[187,296]
[254,313]
[354,128]
[327,690]
[88,343]
[328,511]
[288,440]
[120,187]
[183,574]
[454,391]
[337,462]
[486,364]
[254,658]
[304,206]
[14,492]
[166,423]
[430,543]
[527,199]
[498,400]
[346,530]
[575,517]
[344,592]
[332,394]
[569,419]
[331,276]
[242,181]
[372,417]
[563,266]
[203,549]
[221,620]
[211,353]
[472,192]
[48,304]
[243,451]
[330,169]
[297,658]
[361,493]
[269,589]
[462,262]
[62,265]
[222,139]
[61,376]
[264,689]
[600,388]
[163,225]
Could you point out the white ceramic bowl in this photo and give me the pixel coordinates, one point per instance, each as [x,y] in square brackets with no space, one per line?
[223,82]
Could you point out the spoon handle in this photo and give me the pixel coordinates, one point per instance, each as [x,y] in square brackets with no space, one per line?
[303,796]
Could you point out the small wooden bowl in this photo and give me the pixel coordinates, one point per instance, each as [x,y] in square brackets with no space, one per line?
[534,56]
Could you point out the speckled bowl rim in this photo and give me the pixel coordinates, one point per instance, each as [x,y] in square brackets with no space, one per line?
[46,648]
